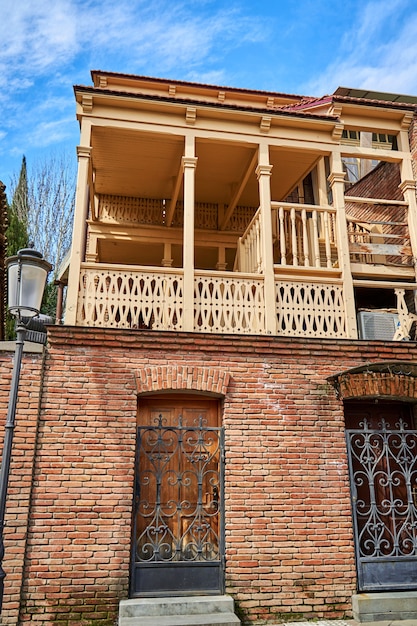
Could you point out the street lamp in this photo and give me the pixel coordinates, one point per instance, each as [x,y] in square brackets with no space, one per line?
[26,280]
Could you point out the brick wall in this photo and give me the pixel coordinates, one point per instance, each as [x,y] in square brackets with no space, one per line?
[381,182]
[21,470]
[412,137]
[289,545]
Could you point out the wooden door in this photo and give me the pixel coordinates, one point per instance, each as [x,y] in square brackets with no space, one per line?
[177,545]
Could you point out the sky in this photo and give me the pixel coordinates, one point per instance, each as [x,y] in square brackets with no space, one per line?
[307,47]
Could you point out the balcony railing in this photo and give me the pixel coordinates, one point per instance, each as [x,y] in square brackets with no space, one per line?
[152,298]
[378,231]
[112,296]
[304,236]
[308,299]
[116,297]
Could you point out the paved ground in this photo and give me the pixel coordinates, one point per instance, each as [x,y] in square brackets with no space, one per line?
[350,622]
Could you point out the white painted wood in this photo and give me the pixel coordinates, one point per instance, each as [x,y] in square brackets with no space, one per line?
[263,172]
[137,298]
[310,309]
[189,163]
[306,235]
[337,183]
[406,319]
[79,234]
[229,304]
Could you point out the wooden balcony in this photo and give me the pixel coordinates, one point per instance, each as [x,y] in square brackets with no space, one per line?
[197,215]
[309,296]
[114,297]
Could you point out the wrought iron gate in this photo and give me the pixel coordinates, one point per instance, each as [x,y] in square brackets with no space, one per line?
[383,474]
[178,543]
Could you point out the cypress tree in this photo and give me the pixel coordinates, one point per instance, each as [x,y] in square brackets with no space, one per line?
[16,232]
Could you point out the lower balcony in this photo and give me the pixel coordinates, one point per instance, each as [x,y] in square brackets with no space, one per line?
[114,296]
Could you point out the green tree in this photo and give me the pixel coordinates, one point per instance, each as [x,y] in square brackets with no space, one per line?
[17,212]
[44,199]
[16,232]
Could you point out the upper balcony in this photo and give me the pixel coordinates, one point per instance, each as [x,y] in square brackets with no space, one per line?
[214,221]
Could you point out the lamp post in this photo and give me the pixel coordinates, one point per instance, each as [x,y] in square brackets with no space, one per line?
[26,279]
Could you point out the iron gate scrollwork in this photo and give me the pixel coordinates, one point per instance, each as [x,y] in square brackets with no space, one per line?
[178,543]
[383,474]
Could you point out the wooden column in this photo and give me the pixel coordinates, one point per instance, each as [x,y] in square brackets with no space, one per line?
[323,199]
[79,233]
[189,163]
[337,184]
[263,172]
[408,189]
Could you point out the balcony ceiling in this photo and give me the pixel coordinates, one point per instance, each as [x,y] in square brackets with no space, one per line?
[147,165]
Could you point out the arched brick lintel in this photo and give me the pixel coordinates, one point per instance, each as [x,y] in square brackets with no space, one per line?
[397,381]
[182,377]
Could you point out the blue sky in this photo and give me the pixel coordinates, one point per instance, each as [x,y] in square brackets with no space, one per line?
[305,47]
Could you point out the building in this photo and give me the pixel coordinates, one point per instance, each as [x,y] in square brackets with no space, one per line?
[229,405]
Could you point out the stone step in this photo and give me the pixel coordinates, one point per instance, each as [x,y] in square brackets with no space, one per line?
[225,619]
[178,605]
[387,606]
[178,611]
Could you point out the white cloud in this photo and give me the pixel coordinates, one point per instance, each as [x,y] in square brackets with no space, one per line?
[43,37]
[166,35]
[36,35]
[379,52]
[49,133]
[47,46]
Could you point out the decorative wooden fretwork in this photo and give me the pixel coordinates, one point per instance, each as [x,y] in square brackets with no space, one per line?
[406,319]
[131,210]
[126,210]
[129,299]
[206,215]
[229,304]
[240,218]
[310,310]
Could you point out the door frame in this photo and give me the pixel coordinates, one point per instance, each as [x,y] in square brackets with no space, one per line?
[164,578]
[384,563]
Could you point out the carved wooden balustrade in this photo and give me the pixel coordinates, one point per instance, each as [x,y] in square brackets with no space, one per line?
[249,256]
[305,235]
[116,297]
[153,211]
[308,299]
[113,297]
[110,296]
[310,308]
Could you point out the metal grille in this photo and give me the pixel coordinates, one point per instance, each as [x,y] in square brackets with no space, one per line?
[383,472]
[179,493]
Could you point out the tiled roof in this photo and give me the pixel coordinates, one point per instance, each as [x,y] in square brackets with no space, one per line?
[260,92]
[277,110]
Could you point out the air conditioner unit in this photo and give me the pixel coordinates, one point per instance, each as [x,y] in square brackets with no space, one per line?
[377,325]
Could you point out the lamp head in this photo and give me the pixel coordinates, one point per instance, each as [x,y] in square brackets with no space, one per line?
[27,272]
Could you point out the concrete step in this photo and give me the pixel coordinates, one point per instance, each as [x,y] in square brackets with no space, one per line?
[388,606]
[178,611]
[225,619]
